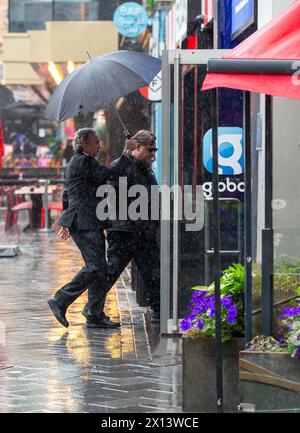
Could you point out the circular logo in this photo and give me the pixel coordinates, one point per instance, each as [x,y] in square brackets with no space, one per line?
[153,91]
[130,19]
[278,204]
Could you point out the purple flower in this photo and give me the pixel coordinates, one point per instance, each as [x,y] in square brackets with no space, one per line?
[185,324]
[212,313]
[226,302]
[290,312]
[292,326]
[298,351]
[200,324]
[198,295]
[202,310]
[232,314]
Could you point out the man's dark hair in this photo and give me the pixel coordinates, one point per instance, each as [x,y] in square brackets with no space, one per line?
[144,137]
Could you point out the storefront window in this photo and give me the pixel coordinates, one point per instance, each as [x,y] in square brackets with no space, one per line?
[32,14]
[194,249]
[286,198]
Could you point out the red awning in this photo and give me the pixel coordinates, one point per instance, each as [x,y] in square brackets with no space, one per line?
[278,40]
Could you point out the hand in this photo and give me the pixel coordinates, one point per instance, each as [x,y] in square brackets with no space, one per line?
[64,233]
[130,145]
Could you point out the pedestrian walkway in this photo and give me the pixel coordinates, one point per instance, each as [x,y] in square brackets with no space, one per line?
[45,367]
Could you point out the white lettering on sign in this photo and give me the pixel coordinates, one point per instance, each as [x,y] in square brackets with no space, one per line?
[124,11]
[228,186]
[155,85]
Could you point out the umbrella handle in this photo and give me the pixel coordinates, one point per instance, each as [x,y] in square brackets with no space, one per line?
[126,132]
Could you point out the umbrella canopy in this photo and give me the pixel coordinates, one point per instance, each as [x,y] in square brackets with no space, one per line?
[276,51]
[101,81]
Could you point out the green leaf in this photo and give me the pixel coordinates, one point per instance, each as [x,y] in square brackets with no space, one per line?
[200,288]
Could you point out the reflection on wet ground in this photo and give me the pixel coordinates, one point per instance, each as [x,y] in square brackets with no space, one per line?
[47,368]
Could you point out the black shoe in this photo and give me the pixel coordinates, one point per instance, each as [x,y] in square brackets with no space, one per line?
[58,312]
[85,314]
[101,323]
[155,317]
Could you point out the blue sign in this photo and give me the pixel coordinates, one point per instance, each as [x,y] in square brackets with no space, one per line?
[231,151]
[243,15]
[130,19]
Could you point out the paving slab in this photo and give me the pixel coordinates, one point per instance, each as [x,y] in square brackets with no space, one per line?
[47,368]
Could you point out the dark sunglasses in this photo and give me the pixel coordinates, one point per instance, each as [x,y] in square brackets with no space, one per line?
[152,149]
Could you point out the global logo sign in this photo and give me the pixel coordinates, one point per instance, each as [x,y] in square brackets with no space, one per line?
[231,151]
[130,19]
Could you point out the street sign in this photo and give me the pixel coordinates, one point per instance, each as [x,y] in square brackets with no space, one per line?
[153,91]
[130,19]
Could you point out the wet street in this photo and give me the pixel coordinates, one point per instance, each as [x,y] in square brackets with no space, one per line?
[45,367]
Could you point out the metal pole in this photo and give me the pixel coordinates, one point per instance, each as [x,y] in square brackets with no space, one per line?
[53,10]
[248,217]
[165,254]
[267,232]
[46,229]
[176,194]
[9,17]
[217,266]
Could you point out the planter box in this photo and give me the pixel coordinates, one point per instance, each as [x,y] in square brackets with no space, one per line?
[199,375]
[270,381]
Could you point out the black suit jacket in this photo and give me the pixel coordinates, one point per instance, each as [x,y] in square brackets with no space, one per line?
[136,174]
[83,176]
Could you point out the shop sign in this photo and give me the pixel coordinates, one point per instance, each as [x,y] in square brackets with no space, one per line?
[153,91]
[130,19]
[231,151]
[243,15]
[170,29]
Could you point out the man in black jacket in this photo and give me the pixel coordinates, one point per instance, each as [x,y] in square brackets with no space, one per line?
[83,176]
[136,239]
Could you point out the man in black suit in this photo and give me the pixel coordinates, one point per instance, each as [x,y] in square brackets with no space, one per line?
[136,239]
[83,176]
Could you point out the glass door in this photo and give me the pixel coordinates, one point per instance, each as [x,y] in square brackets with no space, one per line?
[186,232]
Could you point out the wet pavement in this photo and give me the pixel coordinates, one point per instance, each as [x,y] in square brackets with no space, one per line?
[45,367]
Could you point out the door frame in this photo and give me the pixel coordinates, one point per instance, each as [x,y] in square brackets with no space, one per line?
[169,322]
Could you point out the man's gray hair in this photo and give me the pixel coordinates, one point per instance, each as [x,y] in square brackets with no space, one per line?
[81,137]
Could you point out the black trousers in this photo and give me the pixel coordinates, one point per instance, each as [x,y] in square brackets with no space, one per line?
[142,247]
[92,276]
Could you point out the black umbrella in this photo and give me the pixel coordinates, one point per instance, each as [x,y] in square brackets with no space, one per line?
[101,81]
